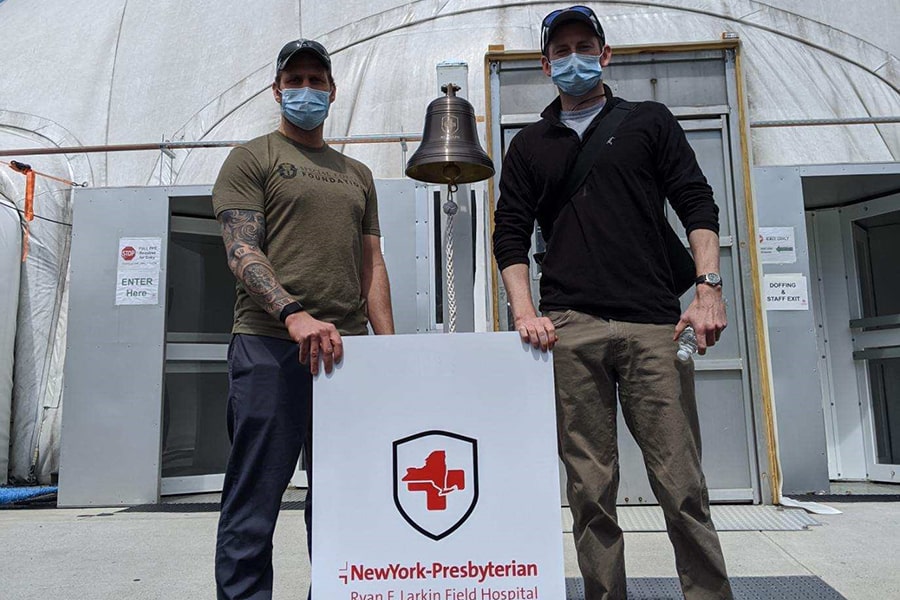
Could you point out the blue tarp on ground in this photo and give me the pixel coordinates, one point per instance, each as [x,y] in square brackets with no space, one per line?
[9,495]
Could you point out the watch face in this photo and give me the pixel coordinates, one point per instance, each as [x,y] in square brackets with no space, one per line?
[713,278]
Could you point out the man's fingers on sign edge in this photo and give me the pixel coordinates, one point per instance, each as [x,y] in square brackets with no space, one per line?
[546,333]
[314,358]
[338,345]
[328,360]
[314,355]
[304,351]
[525,332]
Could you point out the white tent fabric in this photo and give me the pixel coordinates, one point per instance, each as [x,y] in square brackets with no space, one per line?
[115,72]
[35,349]
[39,331]
[182,70]
[10,247]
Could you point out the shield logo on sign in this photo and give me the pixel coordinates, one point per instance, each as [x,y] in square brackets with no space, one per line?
[436,481]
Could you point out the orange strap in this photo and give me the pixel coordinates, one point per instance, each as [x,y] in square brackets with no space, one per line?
[30,174]
[29,201]
[29,195]
[25,235]
[23,168]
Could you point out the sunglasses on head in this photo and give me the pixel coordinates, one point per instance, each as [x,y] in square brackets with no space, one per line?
[548,20]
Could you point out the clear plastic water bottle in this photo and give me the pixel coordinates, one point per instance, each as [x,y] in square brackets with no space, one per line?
[687,344]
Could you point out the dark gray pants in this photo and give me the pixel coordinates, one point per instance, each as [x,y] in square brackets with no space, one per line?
[269,417]
[596,361]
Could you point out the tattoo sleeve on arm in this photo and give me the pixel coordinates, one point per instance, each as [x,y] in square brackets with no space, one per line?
[243,232]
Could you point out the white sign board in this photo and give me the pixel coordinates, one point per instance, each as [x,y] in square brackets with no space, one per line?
[777,245]
[786,291]
[137,275]
[435,473]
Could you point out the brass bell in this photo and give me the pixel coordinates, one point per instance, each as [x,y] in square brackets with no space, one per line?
[449,152]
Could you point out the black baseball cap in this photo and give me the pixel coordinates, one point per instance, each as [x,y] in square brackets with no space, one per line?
[579,13]
[293,48]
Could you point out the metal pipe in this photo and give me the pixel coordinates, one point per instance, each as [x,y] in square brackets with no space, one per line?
[376,139]
[158,147]
[820,122]
[168,146]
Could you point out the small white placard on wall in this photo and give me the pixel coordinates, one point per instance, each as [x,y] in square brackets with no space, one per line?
[786,291]
[137,275]
[777,246]
[435,473]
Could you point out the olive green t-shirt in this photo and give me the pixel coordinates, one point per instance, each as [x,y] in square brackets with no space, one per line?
[318,204]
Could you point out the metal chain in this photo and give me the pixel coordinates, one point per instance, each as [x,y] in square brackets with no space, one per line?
[450,209]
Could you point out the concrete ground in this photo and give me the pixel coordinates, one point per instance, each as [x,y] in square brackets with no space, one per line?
[86,554]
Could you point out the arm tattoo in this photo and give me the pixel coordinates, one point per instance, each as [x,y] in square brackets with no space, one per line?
[244,232]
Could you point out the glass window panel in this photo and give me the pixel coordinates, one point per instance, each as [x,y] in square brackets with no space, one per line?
[201,290]
[884,379]
[195,434]
[876,241]
[884,255]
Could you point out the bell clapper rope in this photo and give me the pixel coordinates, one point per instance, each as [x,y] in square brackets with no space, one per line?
[450,209]
[451,172]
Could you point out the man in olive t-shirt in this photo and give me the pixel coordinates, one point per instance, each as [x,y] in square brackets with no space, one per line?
[300,226]
[318,205]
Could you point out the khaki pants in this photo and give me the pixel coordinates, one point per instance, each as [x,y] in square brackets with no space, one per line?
[593,361]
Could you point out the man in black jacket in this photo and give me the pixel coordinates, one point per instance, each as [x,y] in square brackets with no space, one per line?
[610,309]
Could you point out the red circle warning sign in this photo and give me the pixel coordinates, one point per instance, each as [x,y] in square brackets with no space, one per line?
[128,252]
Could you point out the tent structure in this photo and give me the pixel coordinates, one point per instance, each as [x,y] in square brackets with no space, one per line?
[823,84]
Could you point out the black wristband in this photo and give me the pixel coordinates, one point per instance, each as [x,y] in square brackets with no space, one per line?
[289,309]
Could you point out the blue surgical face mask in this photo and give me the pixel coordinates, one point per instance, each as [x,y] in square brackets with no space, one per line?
[576,74]
[305,107]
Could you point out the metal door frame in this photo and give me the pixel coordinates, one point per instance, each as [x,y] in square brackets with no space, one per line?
[761,431]
[182,349]
[867,344]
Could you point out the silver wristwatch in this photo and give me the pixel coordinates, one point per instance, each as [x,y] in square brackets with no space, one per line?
[711,279]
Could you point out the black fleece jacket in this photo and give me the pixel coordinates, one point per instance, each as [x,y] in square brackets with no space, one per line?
[605,251]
